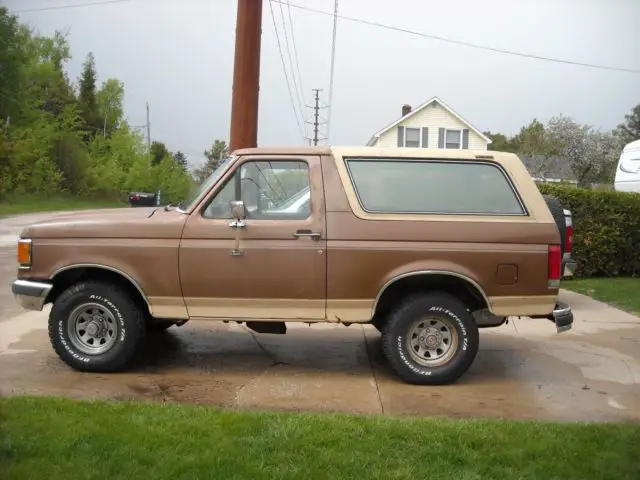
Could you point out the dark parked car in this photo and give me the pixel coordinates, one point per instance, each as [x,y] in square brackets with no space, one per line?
[143,199]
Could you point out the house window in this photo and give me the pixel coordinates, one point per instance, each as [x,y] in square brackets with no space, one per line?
[453,139]
[412,137]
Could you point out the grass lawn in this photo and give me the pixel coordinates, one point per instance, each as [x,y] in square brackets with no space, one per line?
[15,205]
[623,293]
[55,438]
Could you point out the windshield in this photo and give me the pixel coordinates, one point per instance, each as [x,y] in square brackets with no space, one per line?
[210,180]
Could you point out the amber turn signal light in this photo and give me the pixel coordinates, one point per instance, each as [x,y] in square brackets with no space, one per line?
[24,253]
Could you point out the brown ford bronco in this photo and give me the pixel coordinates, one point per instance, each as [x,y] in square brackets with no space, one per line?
[427,245]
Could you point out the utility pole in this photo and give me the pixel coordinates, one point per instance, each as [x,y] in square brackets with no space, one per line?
[246,76]
[316,117]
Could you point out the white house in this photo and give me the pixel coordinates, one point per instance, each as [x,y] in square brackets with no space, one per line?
[433,124]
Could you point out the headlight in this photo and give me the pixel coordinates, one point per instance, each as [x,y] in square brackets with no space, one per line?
[24,253]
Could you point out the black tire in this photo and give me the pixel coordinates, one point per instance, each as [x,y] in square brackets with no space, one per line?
[378,323]
[557,211]
[126,320]
[157,325]
[451,312]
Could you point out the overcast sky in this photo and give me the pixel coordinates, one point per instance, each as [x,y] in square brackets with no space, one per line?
[178,56]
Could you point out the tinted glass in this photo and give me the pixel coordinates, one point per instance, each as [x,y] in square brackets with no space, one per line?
[445,187]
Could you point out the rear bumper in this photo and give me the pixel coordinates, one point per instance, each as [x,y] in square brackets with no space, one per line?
[562,316]
[31,295]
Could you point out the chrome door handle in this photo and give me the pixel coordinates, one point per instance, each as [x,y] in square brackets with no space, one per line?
[307,233]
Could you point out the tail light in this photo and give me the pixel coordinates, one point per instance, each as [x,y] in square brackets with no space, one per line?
[554,265]
[568,239]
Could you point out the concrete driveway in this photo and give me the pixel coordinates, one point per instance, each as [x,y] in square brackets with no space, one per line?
[524,370]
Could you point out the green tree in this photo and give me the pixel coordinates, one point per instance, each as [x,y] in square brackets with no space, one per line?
[51,141]
[181,159]
[533,140]
[218,152]
[629,130]
[87,97]
[499,142]
[47,73]
[13,57]
[110,100]
[159,152]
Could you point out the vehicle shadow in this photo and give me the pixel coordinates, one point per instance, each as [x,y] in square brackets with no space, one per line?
[347,351]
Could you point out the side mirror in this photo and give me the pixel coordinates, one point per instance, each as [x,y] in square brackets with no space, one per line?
[237,210]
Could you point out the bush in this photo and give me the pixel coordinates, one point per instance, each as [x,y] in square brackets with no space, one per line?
[606,240]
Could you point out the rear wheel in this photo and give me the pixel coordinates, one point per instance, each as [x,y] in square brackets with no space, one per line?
[95,327]
[430,339]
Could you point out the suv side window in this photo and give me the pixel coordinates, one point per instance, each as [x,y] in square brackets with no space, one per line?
[433,187]
[270,190]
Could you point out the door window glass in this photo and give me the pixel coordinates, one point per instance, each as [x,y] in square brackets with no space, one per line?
[270,189]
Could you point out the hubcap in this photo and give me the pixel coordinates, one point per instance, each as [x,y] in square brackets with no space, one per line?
[92,328]
[432,340]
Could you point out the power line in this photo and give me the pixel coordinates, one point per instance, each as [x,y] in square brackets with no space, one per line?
[380,25]
[295,50]
[333,61]
[73,5]
[293,73]
[463,43]
[284,68]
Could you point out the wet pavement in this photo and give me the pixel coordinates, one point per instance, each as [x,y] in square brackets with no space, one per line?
[10,228]
[524,370]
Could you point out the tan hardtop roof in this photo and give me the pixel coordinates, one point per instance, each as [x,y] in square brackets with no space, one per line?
[284,150]
[390,153]
[403,152]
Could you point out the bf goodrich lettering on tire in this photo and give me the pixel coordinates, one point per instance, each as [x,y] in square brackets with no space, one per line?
[407,362]
[64,342]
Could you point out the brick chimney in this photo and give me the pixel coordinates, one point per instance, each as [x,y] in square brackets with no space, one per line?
[406,109]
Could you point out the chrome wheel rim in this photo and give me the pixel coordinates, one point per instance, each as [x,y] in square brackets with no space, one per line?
[92,328]
[432,340]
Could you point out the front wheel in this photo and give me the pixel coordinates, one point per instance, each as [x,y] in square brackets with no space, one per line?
[95,327]
[430,339]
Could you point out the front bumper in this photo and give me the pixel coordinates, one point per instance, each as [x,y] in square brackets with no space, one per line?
[562,316]
[31,295]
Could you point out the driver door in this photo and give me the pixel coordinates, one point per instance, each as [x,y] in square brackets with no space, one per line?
[279,268]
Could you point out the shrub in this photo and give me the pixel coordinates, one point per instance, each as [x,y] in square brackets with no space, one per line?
[606,240]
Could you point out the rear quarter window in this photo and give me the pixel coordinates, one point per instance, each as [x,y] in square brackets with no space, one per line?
[433,187]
